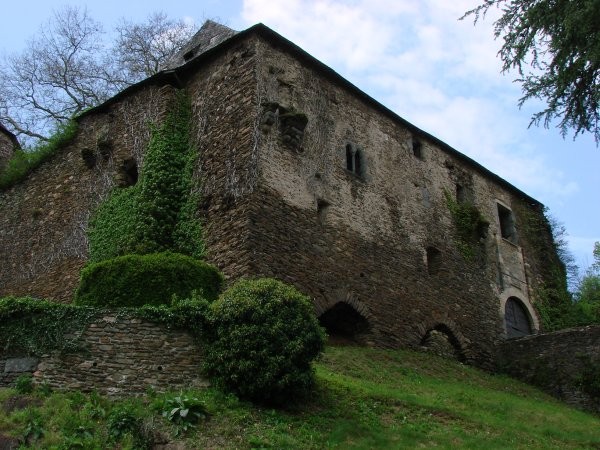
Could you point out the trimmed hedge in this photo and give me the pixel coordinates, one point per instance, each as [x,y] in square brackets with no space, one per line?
[262,338]
[153,279]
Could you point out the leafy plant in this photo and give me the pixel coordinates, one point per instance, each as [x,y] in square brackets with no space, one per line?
[184,411]
[37,326]
[158,214]
[24,384]
[34,430]
[136,280]
[123,420]
[470,225]
[262,338]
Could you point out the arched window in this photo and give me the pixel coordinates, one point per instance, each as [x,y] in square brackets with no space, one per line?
[355,159]
[516,318]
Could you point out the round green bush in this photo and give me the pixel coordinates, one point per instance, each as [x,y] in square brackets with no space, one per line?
[262,340]
[152,279]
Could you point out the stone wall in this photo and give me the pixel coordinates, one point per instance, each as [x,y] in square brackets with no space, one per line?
[43,219]
[119,355]
[7,146]
[565,363]
[363,237]
[273,129]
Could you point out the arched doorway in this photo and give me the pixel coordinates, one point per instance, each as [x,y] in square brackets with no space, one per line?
[516,318]
[344,324]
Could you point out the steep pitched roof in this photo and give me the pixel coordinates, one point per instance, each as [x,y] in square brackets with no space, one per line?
[208,36]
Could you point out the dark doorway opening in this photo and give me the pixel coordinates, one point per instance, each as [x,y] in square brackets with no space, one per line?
[344,325]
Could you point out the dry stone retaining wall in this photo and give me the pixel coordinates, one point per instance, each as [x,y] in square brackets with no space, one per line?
[565,363]
[119,355]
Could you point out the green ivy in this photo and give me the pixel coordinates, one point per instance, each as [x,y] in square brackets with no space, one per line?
[36,326]
[136,280]
[112,230]
[470,225]
[158,213]
[23,162]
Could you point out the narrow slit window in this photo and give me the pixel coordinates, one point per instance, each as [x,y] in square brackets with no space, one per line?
[349,158]
[322,207]
[358,163]
[434,260]
[507,224]
[417,148]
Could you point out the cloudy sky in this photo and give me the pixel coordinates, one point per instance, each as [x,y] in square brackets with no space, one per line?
[419,60]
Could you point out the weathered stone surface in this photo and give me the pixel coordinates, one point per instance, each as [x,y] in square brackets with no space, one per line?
[147,356]
[21,364]
[278,199]
[560,363]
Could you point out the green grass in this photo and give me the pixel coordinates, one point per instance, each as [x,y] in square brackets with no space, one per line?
[23,162]
[364,399]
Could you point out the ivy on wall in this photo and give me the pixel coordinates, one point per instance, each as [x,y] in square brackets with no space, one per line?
[35,327]
[552,298]
[158,213]
[470,225]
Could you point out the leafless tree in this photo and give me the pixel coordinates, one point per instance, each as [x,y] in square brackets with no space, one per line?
[141,50]
[58,75]
[68,67]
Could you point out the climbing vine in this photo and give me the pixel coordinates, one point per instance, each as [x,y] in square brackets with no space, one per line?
[38,326]
[158,213]
[552,298]
[470,225]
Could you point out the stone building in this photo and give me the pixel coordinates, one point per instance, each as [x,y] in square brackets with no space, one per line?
[305,178]
[8,145]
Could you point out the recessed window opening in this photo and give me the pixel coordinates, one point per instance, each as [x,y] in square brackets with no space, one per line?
[417,148]
[322,207]
[349,158]
[354,159]
[358,163]
[434,260]
[129,172]
[507,224]
[461,193]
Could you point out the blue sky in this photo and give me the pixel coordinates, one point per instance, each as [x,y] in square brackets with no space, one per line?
[419,60]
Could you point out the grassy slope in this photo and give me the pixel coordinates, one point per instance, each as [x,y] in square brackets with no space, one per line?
[365,398]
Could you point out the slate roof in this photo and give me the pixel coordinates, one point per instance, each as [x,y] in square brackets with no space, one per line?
[208,36]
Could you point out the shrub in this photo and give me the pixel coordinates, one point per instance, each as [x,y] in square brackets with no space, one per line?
[262,340]
[24,384]
[136,280]
[184,411]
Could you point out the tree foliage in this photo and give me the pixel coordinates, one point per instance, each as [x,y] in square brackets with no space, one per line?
[69,66]
[555,47]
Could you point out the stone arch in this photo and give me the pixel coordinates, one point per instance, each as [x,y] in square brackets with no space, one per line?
[443,340]
[517,296]
[344,317]
[517,320]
